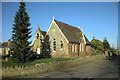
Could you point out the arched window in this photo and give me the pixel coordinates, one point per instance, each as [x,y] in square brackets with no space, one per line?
[41,37]
[81,44]
[37,35]
[72,47]
[75,48]
[61,45]
[82,47]
[54,45]
[48,46]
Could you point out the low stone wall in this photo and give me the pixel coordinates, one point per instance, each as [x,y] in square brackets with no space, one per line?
[44,67]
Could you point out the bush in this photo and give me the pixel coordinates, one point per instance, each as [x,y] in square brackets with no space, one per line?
[98,46]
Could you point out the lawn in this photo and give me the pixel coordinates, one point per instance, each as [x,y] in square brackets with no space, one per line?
[38,61]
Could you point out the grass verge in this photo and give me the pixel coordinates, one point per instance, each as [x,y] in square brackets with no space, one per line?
[38,61]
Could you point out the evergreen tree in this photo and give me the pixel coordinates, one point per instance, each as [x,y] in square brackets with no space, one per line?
[97,45]
[20,34]
[106,44]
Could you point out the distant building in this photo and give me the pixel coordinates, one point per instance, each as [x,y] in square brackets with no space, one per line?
[5,48]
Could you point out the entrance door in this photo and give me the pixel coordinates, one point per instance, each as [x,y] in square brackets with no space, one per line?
[38,50]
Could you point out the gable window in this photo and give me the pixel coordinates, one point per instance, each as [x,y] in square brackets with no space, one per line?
[54,45]
[37,35]
[61,45]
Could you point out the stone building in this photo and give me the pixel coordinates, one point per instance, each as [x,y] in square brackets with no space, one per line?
[37,43]
[5,48]
[64,40]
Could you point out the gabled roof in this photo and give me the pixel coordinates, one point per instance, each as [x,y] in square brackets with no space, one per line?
[73,34]
[6,45]
[41,33]
[38,30]
[87,41]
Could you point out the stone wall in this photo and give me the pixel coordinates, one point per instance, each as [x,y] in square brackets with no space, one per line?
[45,67]
[34,69]
[89,50]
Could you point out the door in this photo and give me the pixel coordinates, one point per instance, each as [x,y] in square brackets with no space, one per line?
[38,50]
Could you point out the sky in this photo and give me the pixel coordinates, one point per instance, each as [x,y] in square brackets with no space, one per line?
[98,19]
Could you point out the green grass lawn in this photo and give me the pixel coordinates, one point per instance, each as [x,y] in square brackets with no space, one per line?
[45,60]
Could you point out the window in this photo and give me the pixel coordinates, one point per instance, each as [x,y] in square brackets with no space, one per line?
[73,48]
[54,45]
[48,47]
[53,30]
[61,45]
[37,35]
[41,37]
[82,47]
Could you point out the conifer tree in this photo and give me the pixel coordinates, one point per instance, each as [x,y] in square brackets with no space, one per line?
[20,34]
[106,44]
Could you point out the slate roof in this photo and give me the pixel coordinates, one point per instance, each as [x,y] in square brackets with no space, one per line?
[87,41]
[73,34]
